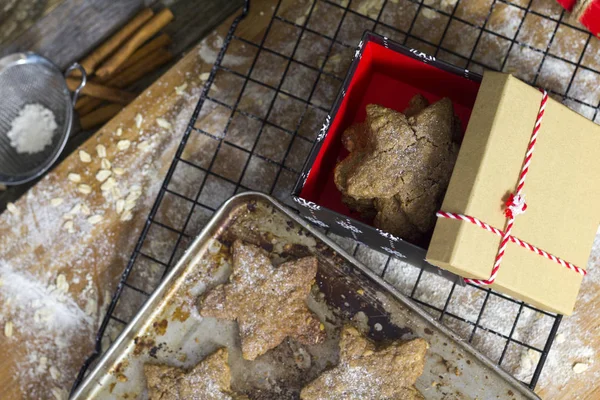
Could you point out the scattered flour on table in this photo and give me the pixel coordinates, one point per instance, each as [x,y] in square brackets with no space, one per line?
[51,313]
[32,129]
[209,50]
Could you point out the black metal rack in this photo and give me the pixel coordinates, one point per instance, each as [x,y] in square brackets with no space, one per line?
[303,62]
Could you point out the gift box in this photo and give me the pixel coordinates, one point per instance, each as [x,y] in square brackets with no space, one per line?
[527,163]
[587,12]
[388,74]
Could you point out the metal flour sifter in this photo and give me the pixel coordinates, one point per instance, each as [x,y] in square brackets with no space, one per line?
[27,78]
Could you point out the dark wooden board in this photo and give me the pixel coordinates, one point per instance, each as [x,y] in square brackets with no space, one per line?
[75,27]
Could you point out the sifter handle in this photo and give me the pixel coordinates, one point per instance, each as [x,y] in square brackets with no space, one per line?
[73,67]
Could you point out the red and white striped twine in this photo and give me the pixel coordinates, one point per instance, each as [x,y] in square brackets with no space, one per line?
[514,206]
[481,224]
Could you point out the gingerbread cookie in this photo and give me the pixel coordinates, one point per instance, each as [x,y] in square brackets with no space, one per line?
[365,372]
[268,303]
[209,380]
[399,165]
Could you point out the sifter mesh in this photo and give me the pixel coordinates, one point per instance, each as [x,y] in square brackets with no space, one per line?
[27,79]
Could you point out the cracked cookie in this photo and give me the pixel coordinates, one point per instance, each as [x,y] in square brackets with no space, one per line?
[365,372]
[208,380]
[399,165]
[268,303]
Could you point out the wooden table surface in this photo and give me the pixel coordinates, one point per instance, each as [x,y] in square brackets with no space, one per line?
[34,244]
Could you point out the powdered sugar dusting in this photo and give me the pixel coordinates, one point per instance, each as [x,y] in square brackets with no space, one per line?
[32,129]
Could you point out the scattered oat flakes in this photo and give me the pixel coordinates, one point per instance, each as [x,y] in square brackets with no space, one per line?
[90,307]
[119,132]
[163,123]
[61,283]
[120,206]
[85,156]
[138,120]
[428,13]
[105,164]
[118,171]
[8,329]
[578,368]
[101,151]
[560,338]
[129,205]
[180,90]
[85,210]
[126,216]
[68,226]
[59,394]
[123,144]
[204,76]
[74,177]
[54,373]
[75,209]
[94,219]
[103,175]
[56,202]
[116,192]
[13,209]
[143,146]
[133,196]
[108,185]
[85,189]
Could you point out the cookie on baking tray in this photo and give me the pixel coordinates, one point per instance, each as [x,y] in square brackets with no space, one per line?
[268,303]
[365,372]
[210,379]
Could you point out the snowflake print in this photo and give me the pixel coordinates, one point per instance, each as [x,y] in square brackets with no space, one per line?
[348,225]
[308,204]
[324,129]
[393,252]
[317,222]
[305,177]
[358,49]
[424,56]
[388,236]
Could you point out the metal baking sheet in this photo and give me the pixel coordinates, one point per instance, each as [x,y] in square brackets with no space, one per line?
[169,330]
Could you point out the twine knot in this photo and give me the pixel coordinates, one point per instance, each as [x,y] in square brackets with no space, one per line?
[515,205]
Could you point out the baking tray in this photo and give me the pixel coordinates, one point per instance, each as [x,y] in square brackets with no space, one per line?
[168,328]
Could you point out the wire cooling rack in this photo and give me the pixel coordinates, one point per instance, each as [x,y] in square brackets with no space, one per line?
[285,79]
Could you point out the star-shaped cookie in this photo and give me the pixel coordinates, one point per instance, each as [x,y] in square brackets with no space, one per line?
[399,165]
[367,373]
[268,303]
[209,380]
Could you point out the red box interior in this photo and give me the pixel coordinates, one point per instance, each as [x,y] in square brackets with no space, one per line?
[390,79]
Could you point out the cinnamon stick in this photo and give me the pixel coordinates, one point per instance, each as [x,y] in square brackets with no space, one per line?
[82,101]
[89,106]
[107,48]
[99,116]
[144,66]
[148,30]
[102,92]
[156,44]
[126,77]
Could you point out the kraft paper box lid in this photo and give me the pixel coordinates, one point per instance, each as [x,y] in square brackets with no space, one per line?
[562,192]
